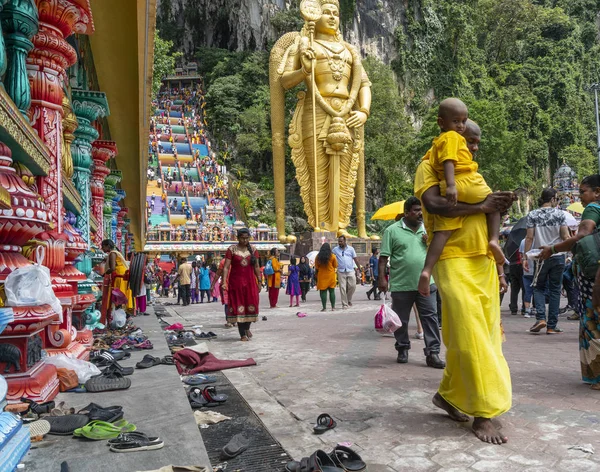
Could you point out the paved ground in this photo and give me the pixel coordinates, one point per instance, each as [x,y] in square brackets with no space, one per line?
[336,363]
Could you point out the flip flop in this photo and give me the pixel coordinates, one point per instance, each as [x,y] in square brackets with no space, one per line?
[97,413]
[324,423]
[65,425]
[347,460]
[198,400]
[147,362]
[105,383]
[211,395]
[38,428]
[143,345]
[102,430]
[238,444]
[199,379]
[168,360]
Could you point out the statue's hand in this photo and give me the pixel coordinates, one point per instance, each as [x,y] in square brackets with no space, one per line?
[357,118]
[307,54]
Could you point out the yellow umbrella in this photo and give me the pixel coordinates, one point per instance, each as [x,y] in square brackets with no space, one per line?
[576,207]
[389,212]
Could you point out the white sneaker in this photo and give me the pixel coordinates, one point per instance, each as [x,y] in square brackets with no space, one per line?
[419,336]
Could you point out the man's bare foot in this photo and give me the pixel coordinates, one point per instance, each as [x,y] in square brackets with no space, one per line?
[497,252]
[485,430]
[453,413]
[424,282]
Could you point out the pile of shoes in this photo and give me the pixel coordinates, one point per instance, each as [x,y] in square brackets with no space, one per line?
[92,422]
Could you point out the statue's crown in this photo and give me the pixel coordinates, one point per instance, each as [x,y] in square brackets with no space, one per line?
[330,2]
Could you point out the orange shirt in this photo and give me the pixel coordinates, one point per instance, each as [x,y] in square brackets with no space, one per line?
[326,273]
[275,279]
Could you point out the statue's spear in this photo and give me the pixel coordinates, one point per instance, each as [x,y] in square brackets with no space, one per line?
[311,12]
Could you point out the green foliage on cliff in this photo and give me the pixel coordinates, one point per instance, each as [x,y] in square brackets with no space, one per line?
[521,66]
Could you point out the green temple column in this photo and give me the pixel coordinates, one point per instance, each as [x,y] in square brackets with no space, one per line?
[19,24]
[88,106]
[111,199]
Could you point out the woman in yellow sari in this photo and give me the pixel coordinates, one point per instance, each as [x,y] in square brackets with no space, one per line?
[114,277]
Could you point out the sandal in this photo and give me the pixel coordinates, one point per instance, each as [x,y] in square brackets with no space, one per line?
[116,367]
[39,408]
[238,444]
[147,362]
[200,379]
[319,461]
[324,423]
[168,360]
[62,410]
[211,395]
[347,460]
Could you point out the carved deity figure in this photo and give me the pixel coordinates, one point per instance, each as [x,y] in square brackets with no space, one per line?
[326,139]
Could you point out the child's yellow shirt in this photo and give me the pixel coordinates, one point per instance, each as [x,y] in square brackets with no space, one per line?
[451,146]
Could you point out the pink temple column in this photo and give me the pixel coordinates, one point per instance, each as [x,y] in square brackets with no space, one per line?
[46,69]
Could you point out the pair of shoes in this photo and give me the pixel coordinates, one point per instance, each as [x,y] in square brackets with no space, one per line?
[340,459]
[419,335]
[554,331]
[538,326]
[402,356]
[433,360]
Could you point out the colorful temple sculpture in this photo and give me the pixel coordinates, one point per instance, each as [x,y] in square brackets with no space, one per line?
[63,186]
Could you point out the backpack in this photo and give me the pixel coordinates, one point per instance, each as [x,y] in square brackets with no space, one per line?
[269,268]
[587,254]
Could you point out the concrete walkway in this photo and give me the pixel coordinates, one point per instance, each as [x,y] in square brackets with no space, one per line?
[336,363]
[156,403]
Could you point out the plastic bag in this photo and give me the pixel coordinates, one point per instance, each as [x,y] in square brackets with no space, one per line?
[31,286]
[84,370]
[386,319]
[119,318]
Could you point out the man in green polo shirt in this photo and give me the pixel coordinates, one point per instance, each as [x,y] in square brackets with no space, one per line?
[404,245]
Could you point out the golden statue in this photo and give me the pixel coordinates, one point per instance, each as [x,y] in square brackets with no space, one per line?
[326,133]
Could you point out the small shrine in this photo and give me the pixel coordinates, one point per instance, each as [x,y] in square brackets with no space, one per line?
[565,182]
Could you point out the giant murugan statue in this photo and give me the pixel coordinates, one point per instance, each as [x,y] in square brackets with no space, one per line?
[326,132]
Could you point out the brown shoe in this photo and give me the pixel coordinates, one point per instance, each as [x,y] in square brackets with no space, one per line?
[554,331]
[244,338]
[538,326]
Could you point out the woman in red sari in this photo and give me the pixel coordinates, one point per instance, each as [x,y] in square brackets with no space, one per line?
[241,281]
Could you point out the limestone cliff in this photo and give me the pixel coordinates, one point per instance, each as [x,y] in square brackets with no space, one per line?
[248,24]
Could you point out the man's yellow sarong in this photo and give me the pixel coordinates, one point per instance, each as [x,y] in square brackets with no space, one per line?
[476,380]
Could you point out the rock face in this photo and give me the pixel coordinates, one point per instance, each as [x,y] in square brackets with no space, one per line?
[247,24]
